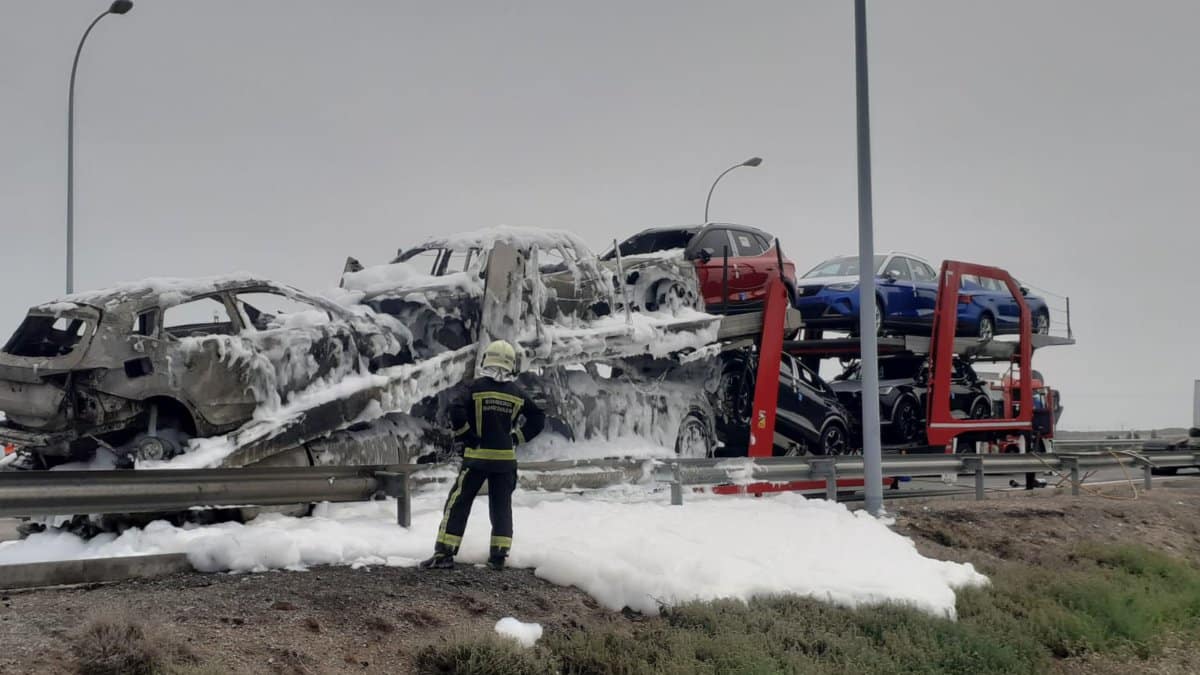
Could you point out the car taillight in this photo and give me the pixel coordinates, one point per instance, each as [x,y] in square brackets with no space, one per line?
[964,299]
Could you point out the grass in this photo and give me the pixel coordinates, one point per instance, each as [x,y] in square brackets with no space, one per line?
[117,644]
[1124,601]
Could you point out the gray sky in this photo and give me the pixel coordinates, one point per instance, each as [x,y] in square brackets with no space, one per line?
[1055,139]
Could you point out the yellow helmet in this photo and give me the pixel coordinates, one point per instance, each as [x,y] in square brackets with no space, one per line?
[501,355]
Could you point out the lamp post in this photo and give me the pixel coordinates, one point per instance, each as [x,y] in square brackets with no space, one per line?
[872,451]
[117,7]
[753,161]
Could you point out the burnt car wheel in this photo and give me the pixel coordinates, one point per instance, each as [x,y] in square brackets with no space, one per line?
[906,420]
[695,438]
[834,440]
[671,296]
[155,448]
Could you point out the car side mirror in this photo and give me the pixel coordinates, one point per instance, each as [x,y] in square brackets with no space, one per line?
[1024,291]
[891,276]
[705,255]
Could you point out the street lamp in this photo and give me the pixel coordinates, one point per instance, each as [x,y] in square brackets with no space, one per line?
[118,7]
[753,161]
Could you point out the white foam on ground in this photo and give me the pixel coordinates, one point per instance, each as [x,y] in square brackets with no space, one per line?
[624,549]
[525,633]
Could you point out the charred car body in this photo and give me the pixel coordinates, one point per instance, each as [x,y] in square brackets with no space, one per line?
[436,288]
[139,369]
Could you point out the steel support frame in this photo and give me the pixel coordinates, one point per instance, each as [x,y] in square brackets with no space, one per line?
[942,426]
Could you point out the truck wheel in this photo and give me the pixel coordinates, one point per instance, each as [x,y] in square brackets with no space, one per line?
[696,438]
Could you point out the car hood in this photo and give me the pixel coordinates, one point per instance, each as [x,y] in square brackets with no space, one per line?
[672,256]
[825,281]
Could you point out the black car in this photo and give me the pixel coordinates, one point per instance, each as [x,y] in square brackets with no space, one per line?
[904,393]
[809,417]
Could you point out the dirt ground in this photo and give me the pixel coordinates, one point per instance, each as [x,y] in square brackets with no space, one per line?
[342,620]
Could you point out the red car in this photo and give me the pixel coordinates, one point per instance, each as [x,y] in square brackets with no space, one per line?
[753,261]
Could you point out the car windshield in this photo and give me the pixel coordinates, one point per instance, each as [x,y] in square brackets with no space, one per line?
[840,267]
[46,336]
[439,261]
[652,242]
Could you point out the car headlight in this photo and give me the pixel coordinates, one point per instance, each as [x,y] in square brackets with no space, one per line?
[846,286]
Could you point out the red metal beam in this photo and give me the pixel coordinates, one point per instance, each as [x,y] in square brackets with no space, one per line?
[942,426]
[766,382]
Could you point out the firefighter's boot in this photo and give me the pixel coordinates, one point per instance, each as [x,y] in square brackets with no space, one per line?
[439,561]
[497,558]
[443,559]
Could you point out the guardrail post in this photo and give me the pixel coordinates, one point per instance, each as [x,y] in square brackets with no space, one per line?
[396,484]
[1073,464]
[826,467]
[676,484]
[1147,474]
[975,464]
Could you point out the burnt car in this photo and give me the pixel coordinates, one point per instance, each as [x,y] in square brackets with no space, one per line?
[437,287]
[699,251]
[139,369]
[904,394]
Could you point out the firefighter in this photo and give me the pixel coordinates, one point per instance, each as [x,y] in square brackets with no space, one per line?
[490,419]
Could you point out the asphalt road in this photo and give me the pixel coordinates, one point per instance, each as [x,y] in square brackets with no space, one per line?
[1112,476]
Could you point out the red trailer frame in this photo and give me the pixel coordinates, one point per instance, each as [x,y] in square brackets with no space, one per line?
[942,427]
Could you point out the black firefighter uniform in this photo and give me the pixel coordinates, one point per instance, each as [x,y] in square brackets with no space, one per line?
[488,421]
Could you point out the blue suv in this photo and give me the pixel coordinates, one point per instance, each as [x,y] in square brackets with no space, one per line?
[905,293]
[906,289]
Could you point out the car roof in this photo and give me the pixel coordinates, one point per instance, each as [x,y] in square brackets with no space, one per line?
[520,237]
[682,228]
[174,289]
[886,254]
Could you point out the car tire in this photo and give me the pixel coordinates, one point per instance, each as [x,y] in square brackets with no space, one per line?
[879,314]
[986,329]
[981,409]
[906,420]
[671,296]
[1041,323]
[834,440]
[696,438]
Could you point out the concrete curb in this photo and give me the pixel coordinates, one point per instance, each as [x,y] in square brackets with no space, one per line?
[92,570]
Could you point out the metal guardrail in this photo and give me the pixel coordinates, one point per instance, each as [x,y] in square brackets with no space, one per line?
[43,493]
